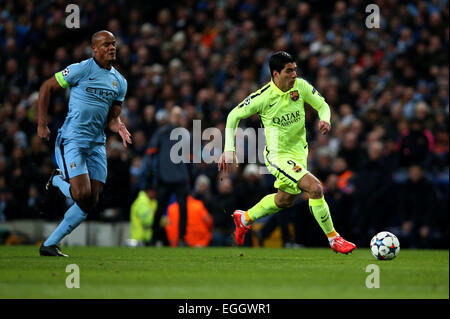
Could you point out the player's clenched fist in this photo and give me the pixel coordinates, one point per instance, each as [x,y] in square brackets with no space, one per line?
[324,127]
[44,132]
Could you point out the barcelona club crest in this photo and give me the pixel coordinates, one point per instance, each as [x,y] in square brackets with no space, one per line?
[294,95]
[297,168]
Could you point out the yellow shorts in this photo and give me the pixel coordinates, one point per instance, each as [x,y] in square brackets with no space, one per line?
[287,170]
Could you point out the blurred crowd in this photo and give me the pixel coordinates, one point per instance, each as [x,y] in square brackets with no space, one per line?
[384,165]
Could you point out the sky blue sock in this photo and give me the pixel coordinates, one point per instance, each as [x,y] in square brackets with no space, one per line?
[72,218]
[59,182]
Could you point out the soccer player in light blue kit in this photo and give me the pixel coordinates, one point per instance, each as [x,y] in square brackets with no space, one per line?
[97,92]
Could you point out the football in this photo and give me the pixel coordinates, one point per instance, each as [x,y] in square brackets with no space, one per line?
[385,246]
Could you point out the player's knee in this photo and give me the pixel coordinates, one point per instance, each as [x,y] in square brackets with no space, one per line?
[81,194]
[316,190]
[284,202]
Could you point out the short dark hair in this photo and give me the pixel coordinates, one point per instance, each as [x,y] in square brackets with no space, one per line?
[278,60]
[97,34]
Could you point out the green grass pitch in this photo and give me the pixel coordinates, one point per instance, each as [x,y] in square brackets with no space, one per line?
[221,273]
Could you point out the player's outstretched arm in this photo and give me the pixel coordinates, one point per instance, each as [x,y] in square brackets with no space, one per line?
[228,158]
[45,93]
[245,109]
[117,126]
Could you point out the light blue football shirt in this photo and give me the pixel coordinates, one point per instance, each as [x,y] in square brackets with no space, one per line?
[93,90]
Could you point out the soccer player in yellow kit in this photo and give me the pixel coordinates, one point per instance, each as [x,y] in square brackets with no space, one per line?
[280,106]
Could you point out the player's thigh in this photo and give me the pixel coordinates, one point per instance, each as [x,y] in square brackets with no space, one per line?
[288,172]
[96,163]
[70,157]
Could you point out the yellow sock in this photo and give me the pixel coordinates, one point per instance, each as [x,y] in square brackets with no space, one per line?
[321,212]
[266,206]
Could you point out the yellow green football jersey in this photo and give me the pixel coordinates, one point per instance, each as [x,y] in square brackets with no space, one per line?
[282,114]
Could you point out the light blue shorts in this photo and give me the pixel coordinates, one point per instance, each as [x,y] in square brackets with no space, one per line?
[75,158]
